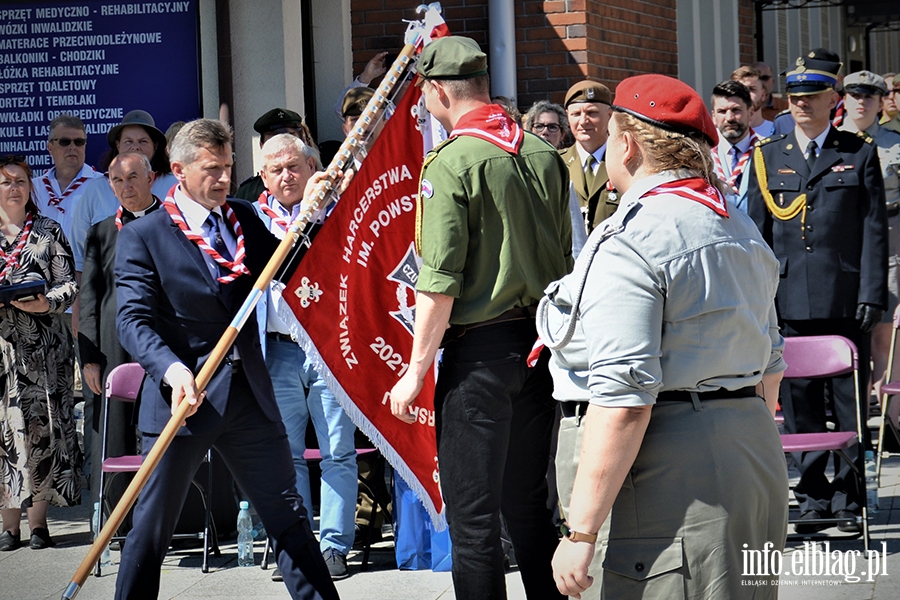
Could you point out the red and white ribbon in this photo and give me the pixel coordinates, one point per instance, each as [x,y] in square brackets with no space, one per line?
[696,189]
[264,205]
[236,267]
[839,111]
[12,259]
[739,168]
[55,200]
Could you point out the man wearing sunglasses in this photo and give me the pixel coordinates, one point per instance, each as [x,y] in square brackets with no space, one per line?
[59,189]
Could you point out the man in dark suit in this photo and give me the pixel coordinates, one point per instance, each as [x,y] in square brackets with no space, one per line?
[131,178]
[817,195]
[182,274]
[588,108]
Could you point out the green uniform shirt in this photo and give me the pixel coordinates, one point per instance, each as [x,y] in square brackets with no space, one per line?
[495,228]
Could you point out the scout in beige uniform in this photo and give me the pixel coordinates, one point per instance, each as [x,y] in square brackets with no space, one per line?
[667,499]
[493,231]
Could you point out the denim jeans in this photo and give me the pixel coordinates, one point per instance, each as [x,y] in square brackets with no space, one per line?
[494,423]
[303,396]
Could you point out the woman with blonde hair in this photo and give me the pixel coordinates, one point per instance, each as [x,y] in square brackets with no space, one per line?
[664,343]
[40,462]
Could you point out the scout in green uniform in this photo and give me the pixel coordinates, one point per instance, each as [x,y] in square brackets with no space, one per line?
[493,230]
[588,108]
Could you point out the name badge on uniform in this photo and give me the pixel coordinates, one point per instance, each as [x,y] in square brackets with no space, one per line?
[787,172]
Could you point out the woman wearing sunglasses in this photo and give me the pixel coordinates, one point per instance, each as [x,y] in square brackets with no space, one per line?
[40,462]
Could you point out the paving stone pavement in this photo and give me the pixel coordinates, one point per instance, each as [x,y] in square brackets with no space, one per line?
[42,575]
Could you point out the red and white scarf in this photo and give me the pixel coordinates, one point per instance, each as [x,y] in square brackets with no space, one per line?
[739,168]
[236,267]
[492,124]
[55,200]
[276,218]
[119,223]
[839,112]
[696,189]
[12,259]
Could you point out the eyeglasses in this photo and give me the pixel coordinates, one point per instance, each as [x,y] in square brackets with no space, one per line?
[11,159]
[539,127]
[894,91]
[64,142]
[765,77]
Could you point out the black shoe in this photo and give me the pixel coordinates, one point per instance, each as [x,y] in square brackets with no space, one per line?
[336,563]
[808,528]
[40,539]
[850,521]
[276,575]
[10,541]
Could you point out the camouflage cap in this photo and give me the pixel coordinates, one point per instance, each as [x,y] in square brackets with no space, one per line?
[452,57]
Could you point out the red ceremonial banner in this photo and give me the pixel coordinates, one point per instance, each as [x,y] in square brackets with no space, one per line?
[353,297]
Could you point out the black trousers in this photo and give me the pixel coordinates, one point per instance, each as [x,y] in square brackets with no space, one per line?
[494,422]
[257,452]
[803,401]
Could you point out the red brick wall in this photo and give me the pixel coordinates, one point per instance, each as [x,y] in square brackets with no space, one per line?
[557,42]
[746,32]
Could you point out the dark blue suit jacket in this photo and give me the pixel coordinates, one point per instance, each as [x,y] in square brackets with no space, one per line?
[171,309]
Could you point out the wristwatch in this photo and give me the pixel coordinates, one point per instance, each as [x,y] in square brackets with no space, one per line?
[577,536]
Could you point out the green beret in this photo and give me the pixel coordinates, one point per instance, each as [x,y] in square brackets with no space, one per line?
[452,57]
[355,101]
[588,91]
[277,118]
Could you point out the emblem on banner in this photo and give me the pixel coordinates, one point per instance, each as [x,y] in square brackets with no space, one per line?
[307,292]
[405,275]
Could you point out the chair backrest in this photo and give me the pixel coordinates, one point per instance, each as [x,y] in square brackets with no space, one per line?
[124,382]
[819,356]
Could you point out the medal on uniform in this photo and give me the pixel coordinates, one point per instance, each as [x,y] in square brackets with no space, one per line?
[613,195]
[781,199]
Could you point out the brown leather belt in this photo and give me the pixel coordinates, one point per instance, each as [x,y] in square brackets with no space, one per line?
[521,313]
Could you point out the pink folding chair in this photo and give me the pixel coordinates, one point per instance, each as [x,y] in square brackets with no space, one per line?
[123,384]
[822,356]
[890,389]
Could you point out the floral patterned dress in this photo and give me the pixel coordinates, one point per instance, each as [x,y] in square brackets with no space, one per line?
[39,455]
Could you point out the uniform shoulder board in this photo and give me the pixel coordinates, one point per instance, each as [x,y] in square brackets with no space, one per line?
[786,111]
[866,137]
[774,138]
[248,180]
[442,145]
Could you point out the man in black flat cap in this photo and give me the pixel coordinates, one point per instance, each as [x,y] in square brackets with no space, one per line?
[273,122]
[817,195]
[587,105]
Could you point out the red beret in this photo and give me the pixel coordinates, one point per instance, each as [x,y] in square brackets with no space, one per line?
[667,103]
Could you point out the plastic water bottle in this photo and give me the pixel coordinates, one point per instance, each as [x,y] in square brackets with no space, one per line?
[245,536]
[871,482]
[105,559]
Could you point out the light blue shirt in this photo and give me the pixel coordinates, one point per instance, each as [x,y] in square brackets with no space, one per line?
[679,299]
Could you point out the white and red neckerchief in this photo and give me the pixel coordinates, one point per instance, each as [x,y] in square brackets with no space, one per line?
[696,189]
[739,168]
[55,200]
[119,223]
[839,111]
[236,267]
[12,259]
[492,124]
[276,218]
